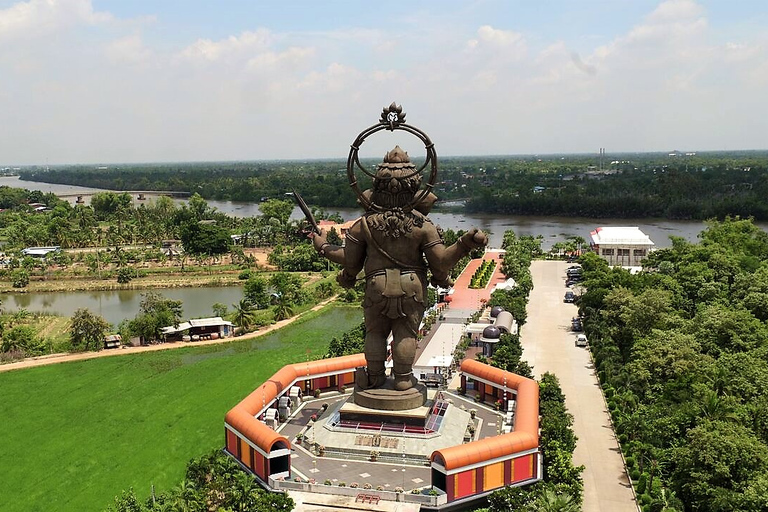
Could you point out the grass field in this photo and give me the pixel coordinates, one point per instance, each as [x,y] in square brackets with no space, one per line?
[74,435]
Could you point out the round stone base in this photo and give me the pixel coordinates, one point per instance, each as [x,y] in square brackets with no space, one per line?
[386,398]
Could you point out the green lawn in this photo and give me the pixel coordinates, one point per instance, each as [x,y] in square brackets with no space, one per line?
[74,435]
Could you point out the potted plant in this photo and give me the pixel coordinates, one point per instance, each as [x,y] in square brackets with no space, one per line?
[317,393]
[299,438]
[374,455]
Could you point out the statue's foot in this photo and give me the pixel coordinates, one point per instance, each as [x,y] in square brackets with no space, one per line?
[376,381]
[404,382]
[364,380]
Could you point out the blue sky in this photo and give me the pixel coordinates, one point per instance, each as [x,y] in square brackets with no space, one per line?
[138,80]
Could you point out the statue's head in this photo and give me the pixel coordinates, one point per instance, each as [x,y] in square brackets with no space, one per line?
[396,181]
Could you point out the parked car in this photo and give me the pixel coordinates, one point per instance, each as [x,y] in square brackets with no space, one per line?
[576,325]
[581,340]
[569,296]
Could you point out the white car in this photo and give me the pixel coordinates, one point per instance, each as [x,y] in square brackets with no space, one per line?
[581,340]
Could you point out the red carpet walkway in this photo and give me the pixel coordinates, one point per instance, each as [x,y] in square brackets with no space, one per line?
[466,298]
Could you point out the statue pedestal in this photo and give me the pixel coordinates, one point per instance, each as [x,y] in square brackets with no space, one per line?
[416,417]
[386,398]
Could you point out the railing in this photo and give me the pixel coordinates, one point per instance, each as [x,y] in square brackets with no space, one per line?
[404,497]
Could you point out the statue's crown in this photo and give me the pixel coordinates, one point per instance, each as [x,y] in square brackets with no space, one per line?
[396,156]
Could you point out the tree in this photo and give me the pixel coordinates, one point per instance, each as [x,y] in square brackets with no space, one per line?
[551,501]
[107,204]
[277,209]
[243,315]
[256,291]
[283,308]
[716,463]
[87,330]
[155,312]
[204,239]
[19,278]
[125,275]
[219,309]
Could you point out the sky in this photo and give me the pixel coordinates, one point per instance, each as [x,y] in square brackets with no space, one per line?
[117,81]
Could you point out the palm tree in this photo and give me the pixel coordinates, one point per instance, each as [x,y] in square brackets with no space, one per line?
[283,307]
[550,501]
[244,314]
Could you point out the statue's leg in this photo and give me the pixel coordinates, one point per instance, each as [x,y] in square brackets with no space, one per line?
[404,333]
[377,328]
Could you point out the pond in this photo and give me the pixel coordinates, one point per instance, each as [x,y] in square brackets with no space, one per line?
[117,305]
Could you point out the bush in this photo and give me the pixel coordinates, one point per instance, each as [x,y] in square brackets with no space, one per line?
[245,274]
[634,475]
[19,278]
[124,275]
[630,462]
[641,483]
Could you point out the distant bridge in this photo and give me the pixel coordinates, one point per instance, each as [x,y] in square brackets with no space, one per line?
[136,195]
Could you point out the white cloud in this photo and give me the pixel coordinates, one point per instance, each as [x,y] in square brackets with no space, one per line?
[233,47]
[40,17]
[668,81]
[128,50]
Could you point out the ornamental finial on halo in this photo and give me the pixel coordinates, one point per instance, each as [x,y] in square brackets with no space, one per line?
[392,115]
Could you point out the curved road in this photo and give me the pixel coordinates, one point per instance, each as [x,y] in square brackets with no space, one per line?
[548,345]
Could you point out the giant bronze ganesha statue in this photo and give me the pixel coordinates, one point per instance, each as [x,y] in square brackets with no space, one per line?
[396,245]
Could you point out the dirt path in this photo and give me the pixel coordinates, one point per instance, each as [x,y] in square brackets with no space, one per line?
[63,358]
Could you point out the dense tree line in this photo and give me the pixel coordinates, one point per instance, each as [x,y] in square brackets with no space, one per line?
[681,351]
[706,185]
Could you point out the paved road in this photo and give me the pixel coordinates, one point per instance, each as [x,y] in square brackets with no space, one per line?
[549,346]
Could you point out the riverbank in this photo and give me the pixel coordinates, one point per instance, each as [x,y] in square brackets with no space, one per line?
[194,279]
[82,356]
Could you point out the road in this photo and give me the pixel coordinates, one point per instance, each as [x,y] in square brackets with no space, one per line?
[548,345]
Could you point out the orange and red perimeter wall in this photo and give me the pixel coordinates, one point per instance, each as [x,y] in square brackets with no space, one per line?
[493,462]
[461,471]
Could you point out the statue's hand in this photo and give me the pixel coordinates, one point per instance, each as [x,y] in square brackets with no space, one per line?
[474,239]
[441,281]
[319,240]
[345,280]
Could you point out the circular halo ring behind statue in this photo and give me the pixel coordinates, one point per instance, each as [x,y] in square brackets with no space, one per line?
[392,118]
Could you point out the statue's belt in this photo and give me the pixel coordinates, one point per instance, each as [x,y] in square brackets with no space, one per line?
[402,271]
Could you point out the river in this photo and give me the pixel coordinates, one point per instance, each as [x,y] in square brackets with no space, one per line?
[553,229]
[114,306]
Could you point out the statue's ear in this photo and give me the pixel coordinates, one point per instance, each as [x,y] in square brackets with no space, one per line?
[426,204]
[367,194]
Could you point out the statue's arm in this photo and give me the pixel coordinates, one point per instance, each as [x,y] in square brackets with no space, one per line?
[351,257]
[441,258]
